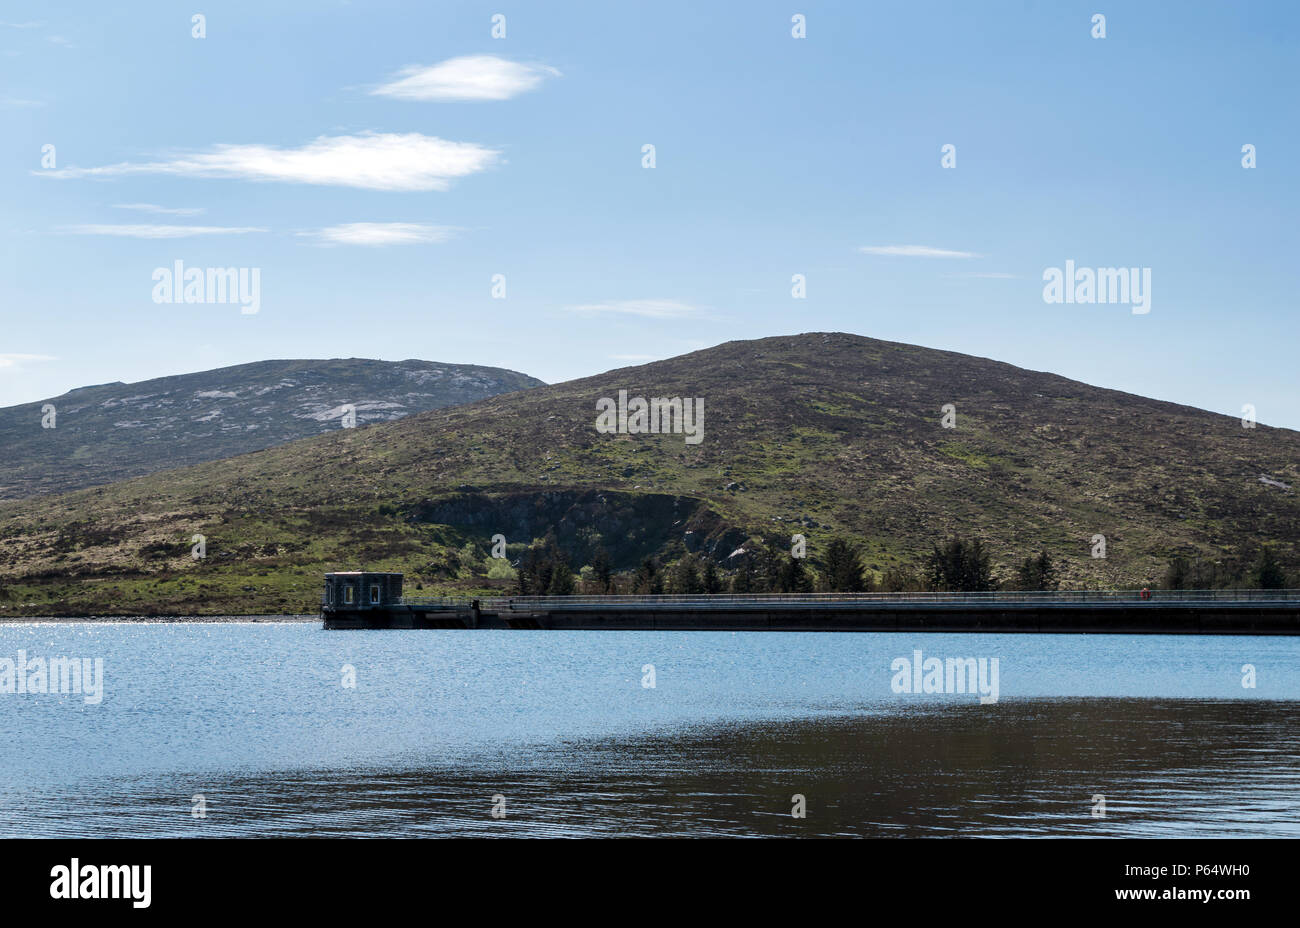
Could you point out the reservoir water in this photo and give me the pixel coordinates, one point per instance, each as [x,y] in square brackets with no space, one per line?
[281,728]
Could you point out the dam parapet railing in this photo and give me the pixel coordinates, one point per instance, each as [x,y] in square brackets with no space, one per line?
[743,601]
[369,600]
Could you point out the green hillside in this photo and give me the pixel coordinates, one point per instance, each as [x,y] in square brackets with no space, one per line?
[821,434]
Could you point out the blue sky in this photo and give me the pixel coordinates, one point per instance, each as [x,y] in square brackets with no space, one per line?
[267,142]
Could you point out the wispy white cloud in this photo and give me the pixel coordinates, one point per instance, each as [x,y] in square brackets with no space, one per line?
[470,77]
[161,210]
[382,233]
[653,309]
[157,231]
[14,360]
[370,161]
[14,101]
[989,275]
[22,25]
[915,251]
[61,40]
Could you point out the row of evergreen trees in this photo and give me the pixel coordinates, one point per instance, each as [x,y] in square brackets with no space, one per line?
[1264,573]
[958,564]
[544,571]
[964,565]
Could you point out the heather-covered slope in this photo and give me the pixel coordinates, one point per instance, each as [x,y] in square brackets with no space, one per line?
[817,433]
[114,431]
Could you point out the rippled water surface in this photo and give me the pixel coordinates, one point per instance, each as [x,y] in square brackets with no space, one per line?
[560,728]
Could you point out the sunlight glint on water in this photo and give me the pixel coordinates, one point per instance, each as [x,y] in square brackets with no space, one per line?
[255,718]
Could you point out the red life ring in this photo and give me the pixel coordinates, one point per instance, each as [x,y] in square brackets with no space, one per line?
[1145,594]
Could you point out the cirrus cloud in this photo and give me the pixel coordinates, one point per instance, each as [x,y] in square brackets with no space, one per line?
[383,233]
[16,360]
[369,161]
[652,309]
[157,231]
[469,77]
[915,251]
[161,210]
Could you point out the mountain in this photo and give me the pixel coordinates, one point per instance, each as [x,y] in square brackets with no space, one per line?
[113,431]
[820,434]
